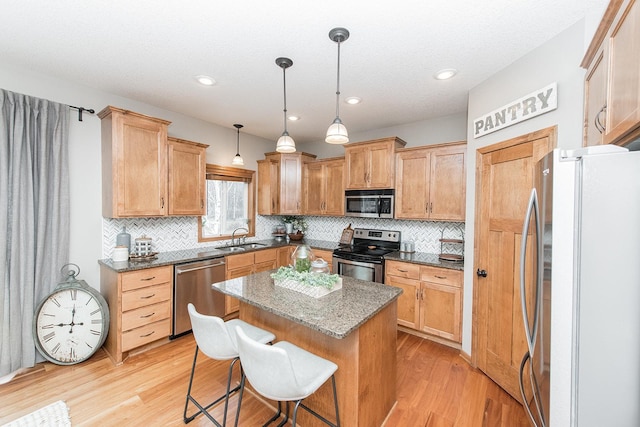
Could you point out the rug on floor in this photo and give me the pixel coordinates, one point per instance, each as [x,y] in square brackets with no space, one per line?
[53,415]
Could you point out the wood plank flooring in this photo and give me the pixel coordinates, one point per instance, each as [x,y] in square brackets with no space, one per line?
[436,388]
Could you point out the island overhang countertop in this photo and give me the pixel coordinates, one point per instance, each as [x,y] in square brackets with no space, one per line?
[336,314]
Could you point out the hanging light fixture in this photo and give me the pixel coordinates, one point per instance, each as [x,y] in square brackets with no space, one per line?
[337,133]
[285,142]
[237,160]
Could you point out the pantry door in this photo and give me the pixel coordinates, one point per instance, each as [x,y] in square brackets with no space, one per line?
[504,178]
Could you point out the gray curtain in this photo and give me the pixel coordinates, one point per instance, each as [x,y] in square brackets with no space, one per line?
[34,217]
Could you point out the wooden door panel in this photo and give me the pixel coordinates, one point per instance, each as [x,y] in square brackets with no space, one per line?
[334,188]
[506,174]
[448,172]
[314,188]
[380,166]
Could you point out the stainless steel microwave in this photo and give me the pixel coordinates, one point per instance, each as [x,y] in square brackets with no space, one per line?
[369,203]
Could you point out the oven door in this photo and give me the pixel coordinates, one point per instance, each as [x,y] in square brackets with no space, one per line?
[370,271]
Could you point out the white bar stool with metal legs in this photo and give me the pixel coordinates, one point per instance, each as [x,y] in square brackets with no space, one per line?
[217,340]
[286,373]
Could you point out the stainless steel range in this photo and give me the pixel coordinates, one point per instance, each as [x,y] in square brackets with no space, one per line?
[364,259]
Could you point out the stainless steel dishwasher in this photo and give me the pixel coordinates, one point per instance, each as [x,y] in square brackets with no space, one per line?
[192,284]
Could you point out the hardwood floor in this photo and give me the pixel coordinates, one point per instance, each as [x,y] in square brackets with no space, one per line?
[436,388]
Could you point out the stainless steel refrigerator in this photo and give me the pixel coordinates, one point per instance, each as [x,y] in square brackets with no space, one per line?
[582,306]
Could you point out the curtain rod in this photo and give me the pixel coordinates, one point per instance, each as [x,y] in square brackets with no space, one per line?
[81,109]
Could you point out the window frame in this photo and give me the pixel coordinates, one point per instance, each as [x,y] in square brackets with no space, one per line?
[227,173]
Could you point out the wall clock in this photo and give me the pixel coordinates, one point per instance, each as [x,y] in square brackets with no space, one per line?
[72,322]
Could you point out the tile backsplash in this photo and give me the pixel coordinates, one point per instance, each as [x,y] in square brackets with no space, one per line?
[176,233]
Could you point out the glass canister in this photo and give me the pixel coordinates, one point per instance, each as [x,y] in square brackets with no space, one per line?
[319,266]
[302,258]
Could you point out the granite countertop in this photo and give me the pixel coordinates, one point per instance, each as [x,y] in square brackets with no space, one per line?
[423,258]
[336,314]
[209,252]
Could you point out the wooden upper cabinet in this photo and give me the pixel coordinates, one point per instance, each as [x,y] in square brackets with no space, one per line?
[612,82]
[280,183]
[187,177]
[371,164]
[431,182]
[323,182]
[134,166]
[145,173]
[595,95]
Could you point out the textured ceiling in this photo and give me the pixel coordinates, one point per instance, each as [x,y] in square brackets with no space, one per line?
[150,51]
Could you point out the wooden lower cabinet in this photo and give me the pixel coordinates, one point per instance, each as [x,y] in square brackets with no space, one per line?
[245,264]
[139,308]
[325,255]
[431,301]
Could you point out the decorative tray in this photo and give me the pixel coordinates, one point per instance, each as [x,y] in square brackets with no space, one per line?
[451,257]
[150,256]
[312,291]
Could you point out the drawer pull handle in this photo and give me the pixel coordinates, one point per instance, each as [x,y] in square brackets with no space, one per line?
[148,278]
[148,335]
[148,315]
[403,271]
[148,296]
[441,277]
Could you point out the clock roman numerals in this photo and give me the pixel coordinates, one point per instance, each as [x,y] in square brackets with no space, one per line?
[74,294]
[55,349]
[48,337]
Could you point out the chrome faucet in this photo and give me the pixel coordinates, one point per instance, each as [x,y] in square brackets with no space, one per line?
[233,235]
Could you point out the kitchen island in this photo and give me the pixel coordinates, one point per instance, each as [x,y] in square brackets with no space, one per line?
[354,327]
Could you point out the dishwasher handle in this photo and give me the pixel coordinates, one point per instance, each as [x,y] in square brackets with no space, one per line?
[202,267]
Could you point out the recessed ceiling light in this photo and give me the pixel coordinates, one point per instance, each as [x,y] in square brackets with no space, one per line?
[205,80]
[445,74]
[353,100]
[293,118]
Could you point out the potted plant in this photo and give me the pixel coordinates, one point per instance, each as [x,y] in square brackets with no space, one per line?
[288,223]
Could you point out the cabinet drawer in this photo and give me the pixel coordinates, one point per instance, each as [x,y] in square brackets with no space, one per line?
[239,272]
[147,277]
[266,255]
[146,334]
[146,296]
[403,269]
[442,276]
[145,315]
[265,266]
[241,260]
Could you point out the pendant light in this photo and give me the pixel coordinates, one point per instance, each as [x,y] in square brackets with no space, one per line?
[337,133]
[237,160]
[285,142]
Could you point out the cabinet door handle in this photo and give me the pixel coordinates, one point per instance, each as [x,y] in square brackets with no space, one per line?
[148,296]
[148,335]
[161,202]
[148,278]
[403,271]
[596,121]
[441,277]
[148,315]
[201,204]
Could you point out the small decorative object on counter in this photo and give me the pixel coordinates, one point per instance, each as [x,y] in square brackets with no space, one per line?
[143,246]
[120,254]
[311,284]
[124,239]
[296,237]
[302,258]
[319,266]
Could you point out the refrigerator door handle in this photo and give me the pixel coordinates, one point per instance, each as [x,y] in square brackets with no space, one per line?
[525,402]
[532,209]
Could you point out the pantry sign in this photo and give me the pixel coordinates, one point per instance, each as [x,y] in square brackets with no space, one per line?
[534,104]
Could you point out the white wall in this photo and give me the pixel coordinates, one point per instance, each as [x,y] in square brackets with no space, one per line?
[433,131]
[556,61]
[85,160]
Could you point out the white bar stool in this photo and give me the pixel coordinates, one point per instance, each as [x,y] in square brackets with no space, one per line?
[217,340]
[286,373]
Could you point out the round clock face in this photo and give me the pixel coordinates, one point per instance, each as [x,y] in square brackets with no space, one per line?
[70,325]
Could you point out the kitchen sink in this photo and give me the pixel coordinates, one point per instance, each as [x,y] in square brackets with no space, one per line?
[253,245]
[231,249]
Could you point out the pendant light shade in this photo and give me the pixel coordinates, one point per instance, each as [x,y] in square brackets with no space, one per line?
[337,132]
[237,160]
[285,143]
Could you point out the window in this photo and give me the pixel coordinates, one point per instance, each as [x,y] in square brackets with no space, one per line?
[230,203]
